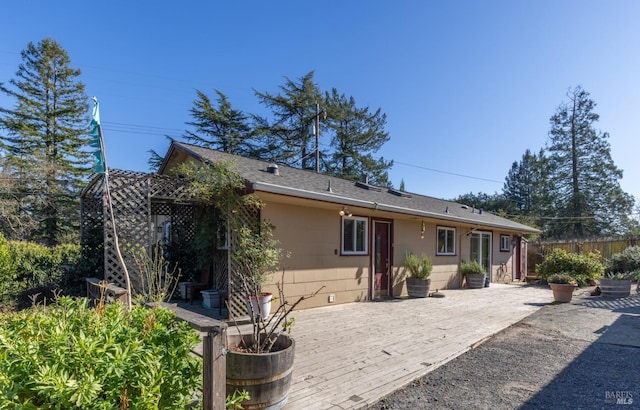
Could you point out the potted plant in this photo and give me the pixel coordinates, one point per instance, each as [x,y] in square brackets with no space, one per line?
[621,269]
[562,284]
[418,282]
[474,274]
[259,363]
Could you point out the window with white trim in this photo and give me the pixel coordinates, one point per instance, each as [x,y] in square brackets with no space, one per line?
[505,243]
[446,241]
[355,231]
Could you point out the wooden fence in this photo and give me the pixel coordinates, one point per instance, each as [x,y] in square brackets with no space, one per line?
[606,247]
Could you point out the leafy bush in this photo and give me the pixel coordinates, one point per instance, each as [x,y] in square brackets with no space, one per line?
[581,267]
[28,265]
[471,268]
[418,267]
[562,278]
[68,356]
[624,262]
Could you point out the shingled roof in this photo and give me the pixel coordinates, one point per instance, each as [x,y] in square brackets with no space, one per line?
[301,183]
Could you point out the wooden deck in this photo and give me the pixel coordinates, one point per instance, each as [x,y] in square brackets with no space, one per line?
[350,356]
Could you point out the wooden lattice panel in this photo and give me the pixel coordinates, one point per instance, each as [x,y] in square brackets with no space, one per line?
[135,197]
[248,216]
[138,199]
[131,211]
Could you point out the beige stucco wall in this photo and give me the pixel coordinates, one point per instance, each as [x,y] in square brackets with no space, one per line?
[309,232]
[311,238]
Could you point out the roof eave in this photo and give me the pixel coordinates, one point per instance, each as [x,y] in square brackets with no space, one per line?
[328,197]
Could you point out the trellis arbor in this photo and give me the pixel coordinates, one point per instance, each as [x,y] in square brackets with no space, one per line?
[152,209]
[148,209]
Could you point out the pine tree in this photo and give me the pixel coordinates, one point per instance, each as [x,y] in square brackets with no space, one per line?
[357,135]
[43,137]
[523,186]
[286,138]
[585,191]
[222,128]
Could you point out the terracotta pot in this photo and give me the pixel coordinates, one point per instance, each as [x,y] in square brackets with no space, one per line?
[562,292]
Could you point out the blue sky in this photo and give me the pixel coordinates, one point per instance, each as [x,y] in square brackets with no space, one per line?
[467,86]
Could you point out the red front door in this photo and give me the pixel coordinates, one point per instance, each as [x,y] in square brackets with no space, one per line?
[381,259]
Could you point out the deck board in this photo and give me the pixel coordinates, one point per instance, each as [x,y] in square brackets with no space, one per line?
[350,356]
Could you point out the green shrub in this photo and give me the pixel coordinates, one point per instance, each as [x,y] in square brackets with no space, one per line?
[418,267]
[471,268]
[624,262]
[581,267]
[562,278]
[69,356]
[34,266]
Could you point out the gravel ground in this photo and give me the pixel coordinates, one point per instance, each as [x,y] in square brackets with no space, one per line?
[582,355]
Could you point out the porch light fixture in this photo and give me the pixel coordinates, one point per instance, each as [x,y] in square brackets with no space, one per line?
[344,211]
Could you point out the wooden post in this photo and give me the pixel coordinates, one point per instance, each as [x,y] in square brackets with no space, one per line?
[214,350]
[214,369]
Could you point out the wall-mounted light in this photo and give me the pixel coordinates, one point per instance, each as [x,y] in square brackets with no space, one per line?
[345,211]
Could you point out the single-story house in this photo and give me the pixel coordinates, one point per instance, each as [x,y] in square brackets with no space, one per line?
[352,237]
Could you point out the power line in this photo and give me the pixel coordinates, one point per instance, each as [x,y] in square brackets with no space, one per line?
[448,173]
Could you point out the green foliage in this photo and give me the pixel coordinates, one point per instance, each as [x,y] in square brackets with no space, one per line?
[158,278]
[46,133]
[258,255]
[624,262]
[582,267]
[234,401]
[471,268]
[223,127]
[418,267]
[355,133]
[583,183]
[31,265]
[562,278]
[69,356]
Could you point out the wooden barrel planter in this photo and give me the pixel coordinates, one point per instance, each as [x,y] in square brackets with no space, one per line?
[615,288]
[266,376]
[418,288]
[475,281]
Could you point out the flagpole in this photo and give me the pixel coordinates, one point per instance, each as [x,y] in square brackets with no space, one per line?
[96,120]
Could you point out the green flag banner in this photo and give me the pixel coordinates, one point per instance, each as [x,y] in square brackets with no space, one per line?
[95,135]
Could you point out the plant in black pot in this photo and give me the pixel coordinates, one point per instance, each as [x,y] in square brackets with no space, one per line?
[418,282]
[474,274]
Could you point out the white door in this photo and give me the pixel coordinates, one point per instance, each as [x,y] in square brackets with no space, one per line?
[481,250]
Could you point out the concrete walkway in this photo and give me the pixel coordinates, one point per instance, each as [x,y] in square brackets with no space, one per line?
[349,356]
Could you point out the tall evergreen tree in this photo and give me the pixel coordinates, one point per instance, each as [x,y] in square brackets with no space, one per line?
[586,195]
[524,185]
[43,137]
[287,138]
[357,135]
[219,127]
